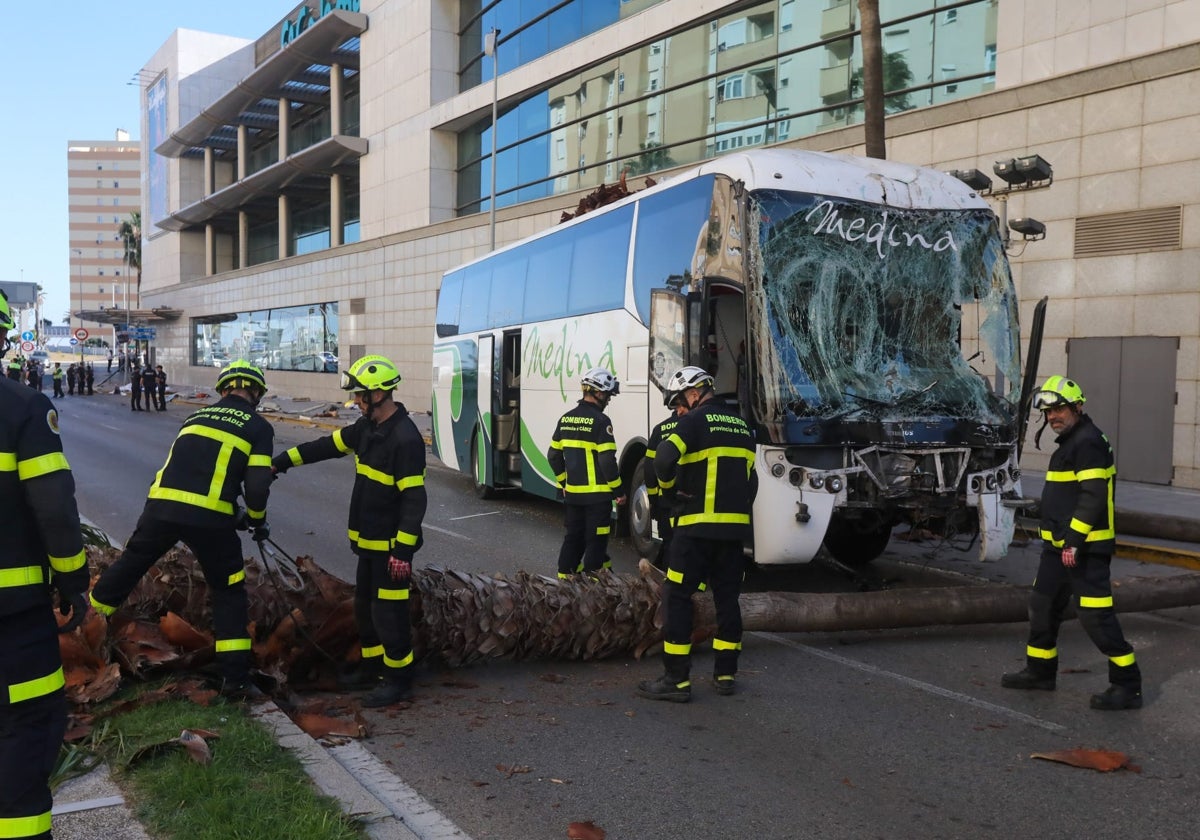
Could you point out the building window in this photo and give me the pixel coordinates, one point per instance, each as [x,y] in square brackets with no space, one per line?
[731,87]
[116,185]
[950,16]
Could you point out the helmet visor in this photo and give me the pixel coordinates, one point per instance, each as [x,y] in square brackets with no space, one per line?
[350,382]
[1044,400]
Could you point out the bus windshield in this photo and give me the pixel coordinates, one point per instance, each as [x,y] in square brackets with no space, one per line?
[870,312]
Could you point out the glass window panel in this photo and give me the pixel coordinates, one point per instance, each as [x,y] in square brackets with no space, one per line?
[598,262]
[449,298]
[669,226]
[473,313]
[546,281]
[566,25]
[508,289]
[598,14]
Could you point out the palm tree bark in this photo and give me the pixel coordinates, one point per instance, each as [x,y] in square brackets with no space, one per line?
[872,56]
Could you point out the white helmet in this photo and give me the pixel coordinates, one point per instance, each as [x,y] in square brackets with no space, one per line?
[688,377]
[599,379]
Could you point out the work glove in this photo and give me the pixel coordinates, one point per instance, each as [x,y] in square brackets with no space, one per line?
[1069,557]
[260,532]
[73,604]
[240,520]
[399,570]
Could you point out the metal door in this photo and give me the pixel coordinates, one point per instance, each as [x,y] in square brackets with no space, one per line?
[1130,387]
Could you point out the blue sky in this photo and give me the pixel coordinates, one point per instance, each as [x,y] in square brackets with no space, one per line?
[69,68]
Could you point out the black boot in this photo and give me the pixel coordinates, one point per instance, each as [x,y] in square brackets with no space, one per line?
[665,688]
[1026,679]
[362,675]
[724,684]
[1117,698]
[387,692]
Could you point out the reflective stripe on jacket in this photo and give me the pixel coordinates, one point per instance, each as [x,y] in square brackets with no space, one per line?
[583,455]
[1078,499]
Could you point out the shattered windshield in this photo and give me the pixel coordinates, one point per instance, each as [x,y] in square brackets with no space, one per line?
[876,312]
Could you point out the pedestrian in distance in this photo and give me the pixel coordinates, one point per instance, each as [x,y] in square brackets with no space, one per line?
[110,360]
[583,455]
[658,511]
[387,506]
[135,388]
[56,376]
[91,379]
[41,560]
[222,451]
[71,380]
[1078,539]
[149,387]
[705,473]
[160,381]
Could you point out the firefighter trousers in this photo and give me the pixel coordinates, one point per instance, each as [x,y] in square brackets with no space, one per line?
[219,553]
[1088,581]
[381,615]
[691,562]
[585,546]
[31,730]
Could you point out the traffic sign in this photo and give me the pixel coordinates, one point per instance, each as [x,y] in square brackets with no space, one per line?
[143,333]
[27,336]
[74,341]
[27,346]
[81,334]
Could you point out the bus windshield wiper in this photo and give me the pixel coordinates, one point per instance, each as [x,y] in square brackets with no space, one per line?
[906,397]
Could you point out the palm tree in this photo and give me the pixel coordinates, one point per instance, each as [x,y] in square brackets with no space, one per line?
[130,232]
[872,50]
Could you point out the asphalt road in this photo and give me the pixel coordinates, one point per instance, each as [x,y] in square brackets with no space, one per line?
[888,734]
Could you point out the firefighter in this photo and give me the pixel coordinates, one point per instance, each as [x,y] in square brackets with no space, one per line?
[221,451]
[705,472]
[15,365]
[1078,540]
[673,401]
[160,377]
[149,387]
[135,388]
[583,455]
[387,506]
[41,556]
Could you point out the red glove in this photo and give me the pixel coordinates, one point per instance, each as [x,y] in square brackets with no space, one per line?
[1068,557]
[400,570]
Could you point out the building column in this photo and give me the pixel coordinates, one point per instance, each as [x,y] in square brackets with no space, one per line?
[285,226]
[285,127]
[243,239]
[210,250]
[335,100]
[209,171]
[335,210]
[243,150]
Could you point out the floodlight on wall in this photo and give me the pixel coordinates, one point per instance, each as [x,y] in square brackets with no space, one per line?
[1006,171]
[1025,172]
[973,178]
[1031,229]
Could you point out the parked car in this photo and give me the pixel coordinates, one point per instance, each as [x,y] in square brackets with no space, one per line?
[42,358]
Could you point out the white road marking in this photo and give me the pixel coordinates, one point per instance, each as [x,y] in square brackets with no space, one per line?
[913,683]
[447,533]
[474,515]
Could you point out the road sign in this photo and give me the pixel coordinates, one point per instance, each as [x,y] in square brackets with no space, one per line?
[27,346]
[81,334]
[74,341]
[27,336]
[143,334]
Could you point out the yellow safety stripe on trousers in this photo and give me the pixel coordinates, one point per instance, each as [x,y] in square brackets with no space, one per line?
[23,576]
[372,652]
[603,530]
[1093,603]
[25,826]
[674,649]
[674,575]
[369,545]
[1123,661]
[392,594]
[8,461]
[410,481]
[721,644]
[652,491]
[256,515]
[1041,653]
[398,663]
[232,645]
[236,577]
[103,609]
[62,565]
[40,687]
[259,461]
[41,465]
[405,538]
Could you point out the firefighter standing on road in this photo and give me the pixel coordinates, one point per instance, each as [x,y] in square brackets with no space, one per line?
[658,510]
[41,554]
[705,471]
[387,506]
[583,455]
[223,450]
[1079,538]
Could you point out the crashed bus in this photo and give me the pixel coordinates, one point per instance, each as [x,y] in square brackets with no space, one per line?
[859,313]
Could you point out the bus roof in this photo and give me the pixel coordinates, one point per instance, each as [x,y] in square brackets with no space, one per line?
[871,180]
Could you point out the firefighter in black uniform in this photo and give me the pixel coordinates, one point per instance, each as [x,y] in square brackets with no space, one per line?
[387,506]
[658,510]
[705,470]
[223,450]
[1078,539]
[135,388]
[41,554]
[149,387]
[160,379]
[583,455]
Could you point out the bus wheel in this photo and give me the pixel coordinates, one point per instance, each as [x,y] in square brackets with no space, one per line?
[482,490]
[856,544]
[638,515]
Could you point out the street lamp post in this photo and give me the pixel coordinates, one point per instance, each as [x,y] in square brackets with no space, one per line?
[489,49]
[79,278]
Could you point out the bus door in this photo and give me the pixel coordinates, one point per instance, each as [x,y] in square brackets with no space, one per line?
[723,352]
[668,336]
[506,442]
[485,392]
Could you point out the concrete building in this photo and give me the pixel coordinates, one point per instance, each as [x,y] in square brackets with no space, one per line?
[304,192]
[103,190]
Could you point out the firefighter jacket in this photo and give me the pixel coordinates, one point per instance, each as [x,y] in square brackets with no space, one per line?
[38,518]
[149,379]
[705,467]
[583,455]
[388,501]
[657,436]
[1078,499]
[222,450]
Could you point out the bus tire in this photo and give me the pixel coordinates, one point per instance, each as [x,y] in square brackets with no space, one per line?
[637,515]
[856,544]
[482,490]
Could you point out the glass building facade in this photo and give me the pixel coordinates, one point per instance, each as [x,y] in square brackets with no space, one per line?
[295,338]
[763,74]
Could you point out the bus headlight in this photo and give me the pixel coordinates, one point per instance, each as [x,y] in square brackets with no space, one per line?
[833,484]
[816,481]
[777,470]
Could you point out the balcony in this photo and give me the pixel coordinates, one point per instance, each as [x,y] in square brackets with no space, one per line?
[835,82]
[838,19]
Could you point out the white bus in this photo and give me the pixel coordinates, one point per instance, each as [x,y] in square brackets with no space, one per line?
[859,313]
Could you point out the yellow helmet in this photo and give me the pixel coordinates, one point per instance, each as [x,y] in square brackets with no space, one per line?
[1056,391]
[241,374]
[6,321]
[371,373]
